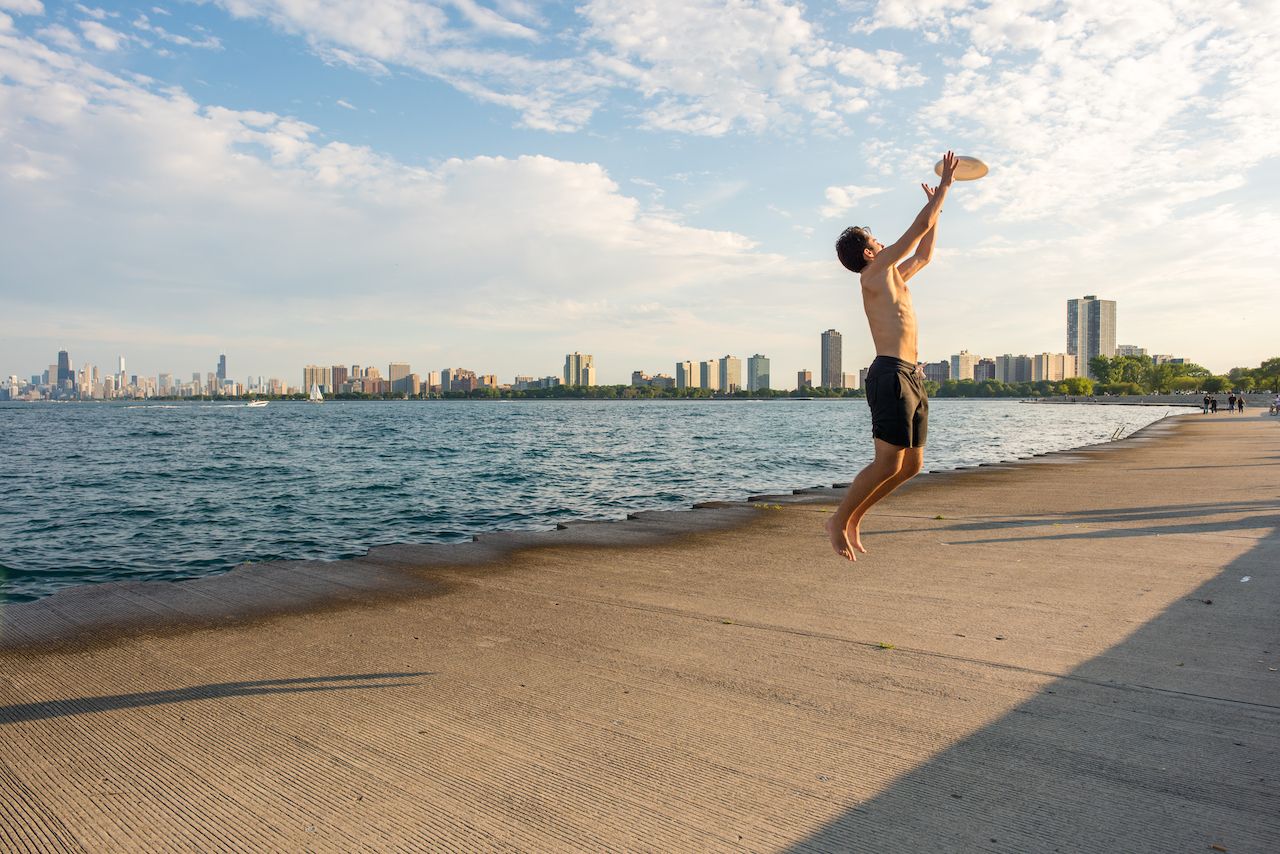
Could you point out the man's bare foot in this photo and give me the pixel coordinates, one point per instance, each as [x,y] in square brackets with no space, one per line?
[853,534]
[839,539]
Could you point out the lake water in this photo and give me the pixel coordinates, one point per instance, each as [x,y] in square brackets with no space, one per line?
[103,492]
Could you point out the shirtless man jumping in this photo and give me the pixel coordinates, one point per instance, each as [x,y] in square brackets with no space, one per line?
[895,392]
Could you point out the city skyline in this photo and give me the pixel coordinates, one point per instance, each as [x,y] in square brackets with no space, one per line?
[293,182]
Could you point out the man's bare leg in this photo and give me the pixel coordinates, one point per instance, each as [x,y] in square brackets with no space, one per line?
[883,468]
[912,462]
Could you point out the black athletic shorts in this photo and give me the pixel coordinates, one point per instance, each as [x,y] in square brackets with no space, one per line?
[899,406]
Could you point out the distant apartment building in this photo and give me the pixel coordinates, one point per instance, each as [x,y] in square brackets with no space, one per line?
[938,372]
[730,374]
[983,370]
[579,369]
[758,373]
[709,375]
[1091,329]
[848,380]
[463,380]
[1131,350]
[684,375]
[1053,367]
[643,380]
[222,368]
[831,359]
[315,375]
[862,377]
[962,365]
[398,377]
[522,383]
[1013,369]
[432,381]
[804,380]
[339,376]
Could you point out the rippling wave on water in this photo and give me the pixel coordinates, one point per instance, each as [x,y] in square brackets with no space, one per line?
[145,491]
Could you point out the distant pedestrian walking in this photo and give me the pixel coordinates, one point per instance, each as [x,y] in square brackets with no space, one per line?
[1231,403]
[1240,404]
[1204,407]
[1213,405]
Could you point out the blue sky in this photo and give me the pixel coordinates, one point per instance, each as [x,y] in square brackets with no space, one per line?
[494,183]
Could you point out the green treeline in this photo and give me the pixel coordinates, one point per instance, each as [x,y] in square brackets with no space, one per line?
[1139,375]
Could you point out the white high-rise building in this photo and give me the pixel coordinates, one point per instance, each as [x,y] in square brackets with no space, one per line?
[1053,367]
[1091,329]
[758,373]
[962,365]
[730,374]
[579,369]
[831,359]
[1013,369]
[709,375]
[684,375]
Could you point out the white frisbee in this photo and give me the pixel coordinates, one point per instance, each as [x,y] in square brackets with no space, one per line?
[967,169]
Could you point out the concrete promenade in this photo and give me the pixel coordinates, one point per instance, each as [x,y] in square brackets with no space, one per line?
[1075,653]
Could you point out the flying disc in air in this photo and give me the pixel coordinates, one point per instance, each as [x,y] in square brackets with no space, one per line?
[967,169]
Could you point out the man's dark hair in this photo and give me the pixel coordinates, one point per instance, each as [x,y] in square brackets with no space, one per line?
[849,248]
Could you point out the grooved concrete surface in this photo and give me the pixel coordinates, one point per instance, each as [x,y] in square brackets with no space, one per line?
[1069,659]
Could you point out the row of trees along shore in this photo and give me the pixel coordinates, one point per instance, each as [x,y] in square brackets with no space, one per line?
[1120,375]
[1139,375]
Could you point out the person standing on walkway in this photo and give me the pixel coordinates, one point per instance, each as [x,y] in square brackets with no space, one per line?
[1213,405]
[1231,403]
[1240,404]
[1204,407]
[895,383]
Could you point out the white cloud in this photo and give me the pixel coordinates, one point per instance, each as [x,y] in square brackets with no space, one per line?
[548,94]
[206,42]
[347,105]
[251,224]
[709,67]
[843,199]
[101,36]
[23,7]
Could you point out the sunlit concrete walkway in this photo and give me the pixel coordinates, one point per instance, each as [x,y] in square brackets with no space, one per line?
[1074,653]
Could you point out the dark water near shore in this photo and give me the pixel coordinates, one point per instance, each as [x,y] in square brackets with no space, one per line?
[104,492]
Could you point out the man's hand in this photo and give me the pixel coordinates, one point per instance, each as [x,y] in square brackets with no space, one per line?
[929,191]
[949,161]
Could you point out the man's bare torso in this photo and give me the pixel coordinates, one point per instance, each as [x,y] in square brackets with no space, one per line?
[887,301]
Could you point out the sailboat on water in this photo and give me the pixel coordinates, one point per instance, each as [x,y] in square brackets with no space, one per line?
[316,396]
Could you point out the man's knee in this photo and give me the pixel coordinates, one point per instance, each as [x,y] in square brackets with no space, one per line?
[911,466]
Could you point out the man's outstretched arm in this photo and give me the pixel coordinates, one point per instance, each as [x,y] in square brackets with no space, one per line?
[925,220]
[924,251]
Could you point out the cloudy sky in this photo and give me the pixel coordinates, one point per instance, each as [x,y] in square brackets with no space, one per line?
[494,183]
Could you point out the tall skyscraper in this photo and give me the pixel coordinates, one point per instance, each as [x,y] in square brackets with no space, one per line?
[758,373]
[804,379]
[64,372]
[579,369]
[684,375]
[1091,329]
[222,368]
[709,375]
[730,374]
[831,359]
